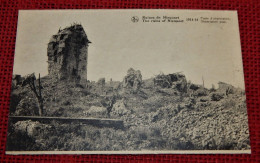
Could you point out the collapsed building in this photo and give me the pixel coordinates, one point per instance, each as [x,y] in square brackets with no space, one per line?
[68,54]
[175,80]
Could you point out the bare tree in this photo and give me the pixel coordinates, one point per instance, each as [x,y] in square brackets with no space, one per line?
[31,81]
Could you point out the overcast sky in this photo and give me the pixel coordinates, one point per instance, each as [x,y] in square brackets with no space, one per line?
[197,49]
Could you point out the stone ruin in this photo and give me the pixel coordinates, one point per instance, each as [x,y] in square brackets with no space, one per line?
[175,80]
[133,79]
[68,53]
[17,80]
[229,89]
[224,87]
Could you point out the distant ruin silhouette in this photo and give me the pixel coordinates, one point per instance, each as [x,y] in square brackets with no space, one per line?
[68,54]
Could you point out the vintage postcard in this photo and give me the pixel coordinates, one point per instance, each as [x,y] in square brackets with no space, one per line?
[127,82]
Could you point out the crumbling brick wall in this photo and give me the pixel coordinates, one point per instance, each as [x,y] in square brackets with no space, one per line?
[68,54]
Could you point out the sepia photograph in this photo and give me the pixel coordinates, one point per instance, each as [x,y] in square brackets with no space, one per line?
[128,82]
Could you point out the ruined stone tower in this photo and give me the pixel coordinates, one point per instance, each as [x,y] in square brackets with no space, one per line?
[68,54]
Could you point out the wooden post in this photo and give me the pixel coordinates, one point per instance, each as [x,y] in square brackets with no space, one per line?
[40,99]
[203,82]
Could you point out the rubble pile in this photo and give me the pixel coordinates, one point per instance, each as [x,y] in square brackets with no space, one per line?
[175,80]
[220,125]
[31,128]
[156,116]
[119,109]
[133,79]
